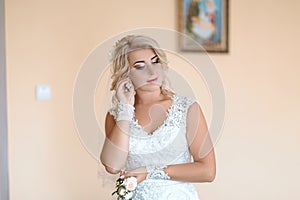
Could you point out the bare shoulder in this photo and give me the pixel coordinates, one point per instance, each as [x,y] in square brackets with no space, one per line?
[195,108]
[193,115]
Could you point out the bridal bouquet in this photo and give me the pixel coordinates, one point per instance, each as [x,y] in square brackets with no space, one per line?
[125,188]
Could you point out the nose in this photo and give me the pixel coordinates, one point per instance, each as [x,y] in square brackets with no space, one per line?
[150,68]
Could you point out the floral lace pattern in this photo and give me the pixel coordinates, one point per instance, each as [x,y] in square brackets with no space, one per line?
[165,190]
[166,145]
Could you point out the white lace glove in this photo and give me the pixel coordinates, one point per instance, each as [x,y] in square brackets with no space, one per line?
[125,111]
[157,173]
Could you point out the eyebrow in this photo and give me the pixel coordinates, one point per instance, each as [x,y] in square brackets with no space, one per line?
[142,61]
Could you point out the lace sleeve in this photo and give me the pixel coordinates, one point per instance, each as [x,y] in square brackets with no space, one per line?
[124,111]
[113,112]
[187,102]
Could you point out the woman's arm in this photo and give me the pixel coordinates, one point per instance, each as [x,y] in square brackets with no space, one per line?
[203,167]
[115,149]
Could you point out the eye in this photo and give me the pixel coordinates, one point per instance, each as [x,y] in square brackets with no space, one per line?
[140,66]
[155,60]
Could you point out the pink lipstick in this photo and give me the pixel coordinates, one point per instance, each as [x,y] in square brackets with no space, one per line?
[152,80]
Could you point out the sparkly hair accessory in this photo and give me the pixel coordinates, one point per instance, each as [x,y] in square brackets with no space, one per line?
[110,55]
[111,52]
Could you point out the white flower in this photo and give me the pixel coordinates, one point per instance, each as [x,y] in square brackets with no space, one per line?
[129,195]
[131,183]
[121,191]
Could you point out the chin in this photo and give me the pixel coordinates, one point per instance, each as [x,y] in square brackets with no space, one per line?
[150,87]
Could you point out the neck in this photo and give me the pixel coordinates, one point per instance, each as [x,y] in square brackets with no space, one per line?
[146,97]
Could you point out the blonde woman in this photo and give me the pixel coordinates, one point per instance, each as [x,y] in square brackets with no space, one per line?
[152,133]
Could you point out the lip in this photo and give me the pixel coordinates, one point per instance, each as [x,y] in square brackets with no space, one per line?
[152,80]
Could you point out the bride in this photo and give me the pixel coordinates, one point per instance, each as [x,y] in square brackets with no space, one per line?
[152,133]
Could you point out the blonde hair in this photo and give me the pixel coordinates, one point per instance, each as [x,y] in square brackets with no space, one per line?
[129,43]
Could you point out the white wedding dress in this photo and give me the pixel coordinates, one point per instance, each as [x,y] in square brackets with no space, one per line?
[167,145]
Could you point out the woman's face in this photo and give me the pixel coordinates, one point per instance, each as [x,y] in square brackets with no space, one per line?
[146,71]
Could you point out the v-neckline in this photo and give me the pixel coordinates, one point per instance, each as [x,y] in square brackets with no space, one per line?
[164,122]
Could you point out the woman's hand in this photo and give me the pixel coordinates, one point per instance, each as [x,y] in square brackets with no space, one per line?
[139,173]
[125,91]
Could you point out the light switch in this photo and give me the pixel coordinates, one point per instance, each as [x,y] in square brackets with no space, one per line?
[43,92]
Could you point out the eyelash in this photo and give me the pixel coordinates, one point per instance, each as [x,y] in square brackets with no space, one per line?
[156,61]
[140,67]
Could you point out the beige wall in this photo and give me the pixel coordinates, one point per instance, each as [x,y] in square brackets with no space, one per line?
[48,40]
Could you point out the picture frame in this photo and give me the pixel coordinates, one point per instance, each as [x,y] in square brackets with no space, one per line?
[204,25]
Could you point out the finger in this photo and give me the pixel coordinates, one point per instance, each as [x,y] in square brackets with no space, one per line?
[136,172]
[126,87]
[128,174]
[121,83]
[122,173]
[140,178]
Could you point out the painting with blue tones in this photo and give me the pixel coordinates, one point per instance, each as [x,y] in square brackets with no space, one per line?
[205,23]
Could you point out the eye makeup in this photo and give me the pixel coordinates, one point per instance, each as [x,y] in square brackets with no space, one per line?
[146,71]
[140,65]
[155,60]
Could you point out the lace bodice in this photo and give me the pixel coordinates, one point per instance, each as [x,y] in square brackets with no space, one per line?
[167,145]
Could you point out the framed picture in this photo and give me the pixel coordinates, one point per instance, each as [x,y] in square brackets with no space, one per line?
[203,22]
